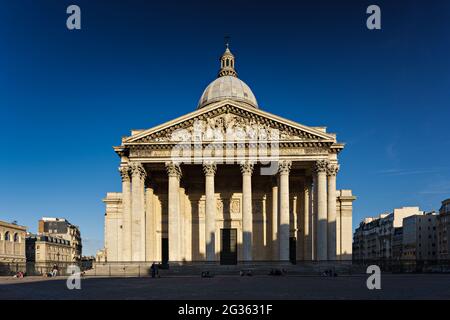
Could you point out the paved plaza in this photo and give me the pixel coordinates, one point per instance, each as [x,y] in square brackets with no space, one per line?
[409,286]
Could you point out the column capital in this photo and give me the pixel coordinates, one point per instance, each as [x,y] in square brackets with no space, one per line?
[209,168]
[284,166]
[246,167]
[321,166]
[124,173]
[138,170]
[173,169]
[332,169]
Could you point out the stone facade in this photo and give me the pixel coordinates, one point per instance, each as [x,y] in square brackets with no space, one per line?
[45,249]
[405,234]
[62,228]
[443,231]
[420,237]
[189,193]
[12,243]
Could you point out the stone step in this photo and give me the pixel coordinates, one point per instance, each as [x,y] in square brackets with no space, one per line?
[143,269]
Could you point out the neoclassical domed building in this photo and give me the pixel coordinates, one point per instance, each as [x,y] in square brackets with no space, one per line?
[228,183]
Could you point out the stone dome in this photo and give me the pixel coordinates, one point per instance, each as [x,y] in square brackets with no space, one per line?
[227,85]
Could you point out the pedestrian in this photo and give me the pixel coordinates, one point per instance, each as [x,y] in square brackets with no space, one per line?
[153,270]
[54,271]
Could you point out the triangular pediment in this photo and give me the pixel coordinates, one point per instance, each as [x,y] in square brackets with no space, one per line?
[225,116]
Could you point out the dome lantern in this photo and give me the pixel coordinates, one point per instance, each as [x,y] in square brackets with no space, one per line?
[227,64]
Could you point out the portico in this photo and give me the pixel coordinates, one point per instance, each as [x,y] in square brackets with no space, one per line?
[228,182]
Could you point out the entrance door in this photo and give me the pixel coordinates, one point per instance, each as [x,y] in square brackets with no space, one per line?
[164,251]
[293,250]
[228,246]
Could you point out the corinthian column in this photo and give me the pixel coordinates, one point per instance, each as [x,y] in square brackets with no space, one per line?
[137,211]
[174,173]
[124,253]
[210,211]
[283,230]
[314,220]
[332,170]
[307,223]
[247,219]
[321,202]
[275,245]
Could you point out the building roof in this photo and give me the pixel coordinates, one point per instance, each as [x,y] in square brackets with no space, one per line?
[12,225]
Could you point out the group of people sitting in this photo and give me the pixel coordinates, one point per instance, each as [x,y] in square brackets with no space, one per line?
[329,273]
[52,273]
[277,272]
[19,274]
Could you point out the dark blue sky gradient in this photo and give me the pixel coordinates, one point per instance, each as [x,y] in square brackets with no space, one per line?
[67,96]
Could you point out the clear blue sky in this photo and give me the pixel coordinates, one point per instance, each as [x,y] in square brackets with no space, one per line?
[66,97]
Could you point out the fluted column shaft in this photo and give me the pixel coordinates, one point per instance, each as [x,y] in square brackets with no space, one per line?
[151,234]
[174,173]
[124,241]
[210,211]
[314,221]
[275,245]
[283,229]
[307,248]
[137,212]
[322,220]
[247,218]
[332,170]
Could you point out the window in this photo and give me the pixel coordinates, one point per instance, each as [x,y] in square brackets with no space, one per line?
[7,237]
[16,237]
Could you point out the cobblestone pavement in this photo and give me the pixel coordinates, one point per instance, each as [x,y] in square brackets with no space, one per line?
[409,286]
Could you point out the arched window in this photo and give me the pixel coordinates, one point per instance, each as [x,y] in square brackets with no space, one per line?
[16,237]
[7,237]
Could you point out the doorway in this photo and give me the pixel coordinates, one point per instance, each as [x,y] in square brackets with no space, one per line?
[293,250]
[228,246]
[164,251]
